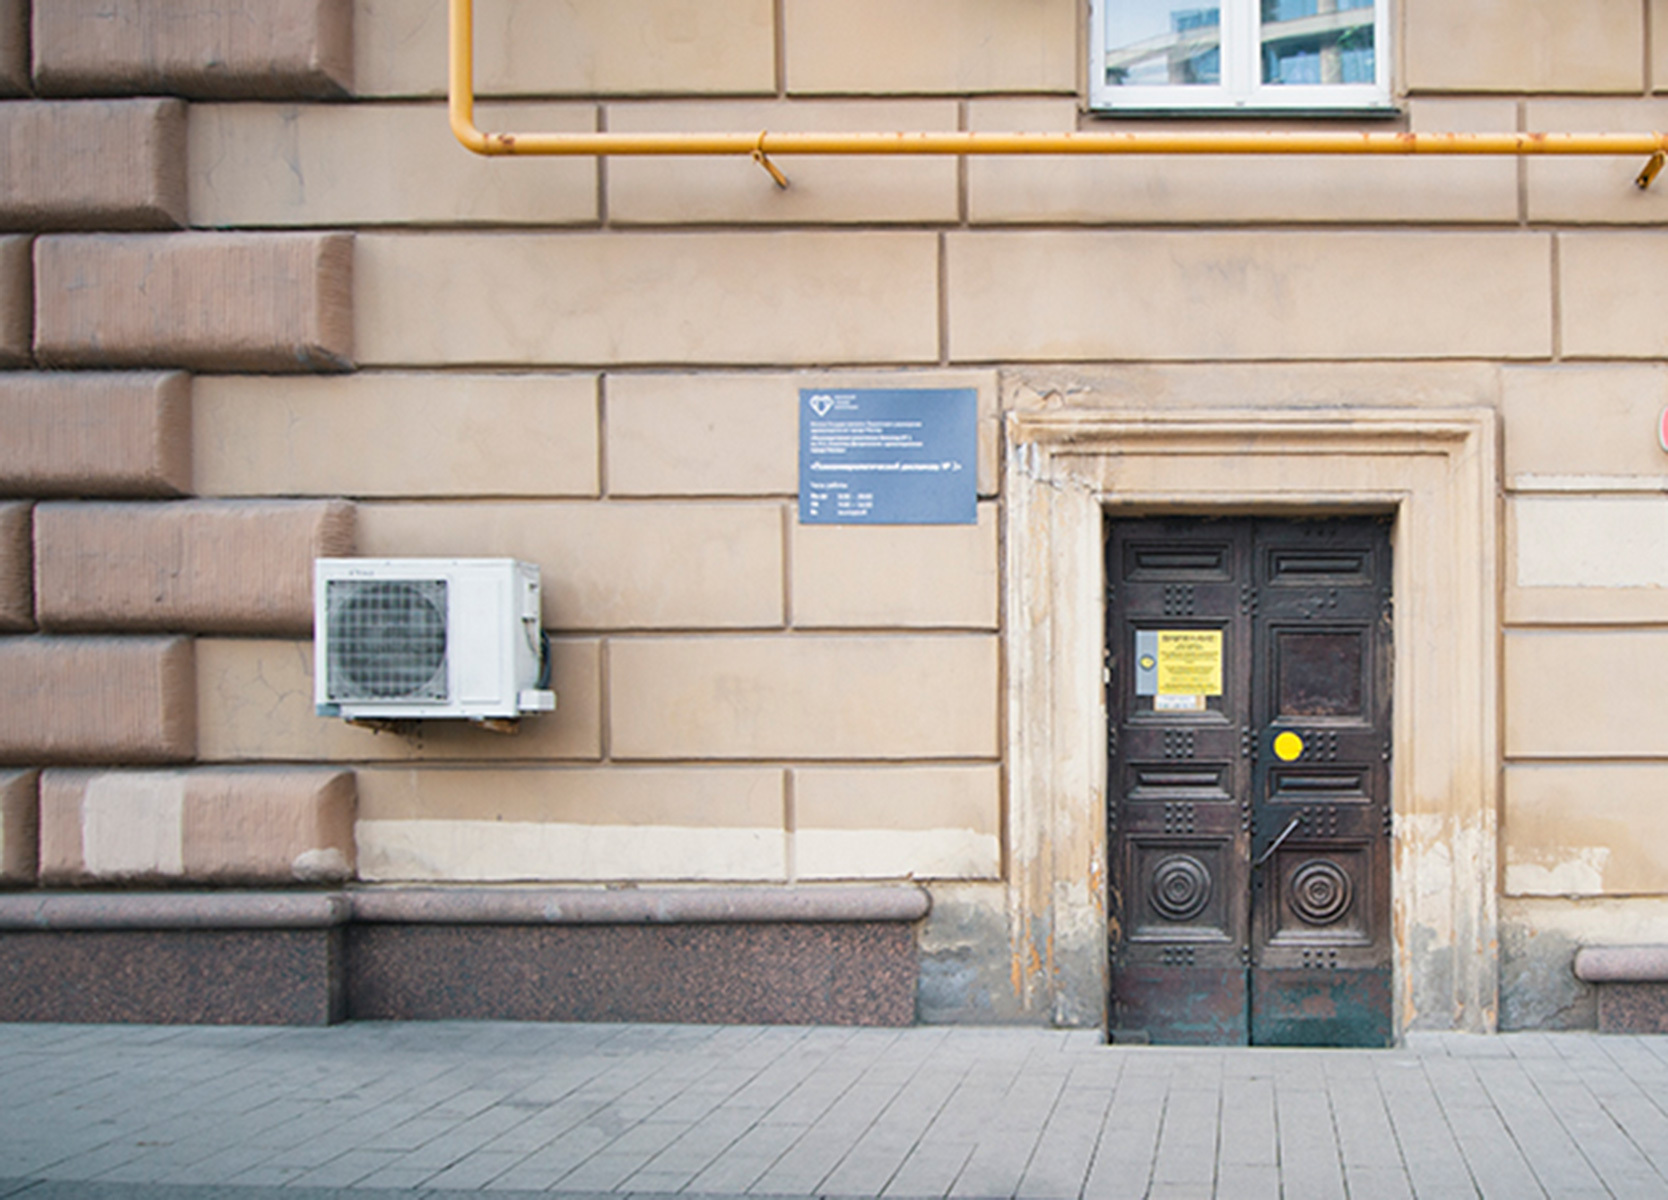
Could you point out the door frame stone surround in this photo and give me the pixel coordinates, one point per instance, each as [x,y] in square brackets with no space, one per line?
[1435,470]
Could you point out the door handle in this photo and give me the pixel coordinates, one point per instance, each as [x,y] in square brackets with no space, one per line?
[1275,845]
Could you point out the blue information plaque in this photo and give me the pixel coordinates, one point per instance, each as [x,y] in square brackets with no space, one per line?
[888,456]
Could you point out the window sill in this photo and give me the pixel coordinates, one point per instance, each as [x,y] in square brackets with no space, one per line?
[1386,112]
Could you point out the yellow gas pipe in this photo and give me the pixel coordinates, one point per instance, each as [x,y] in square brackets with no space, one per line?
[760,146]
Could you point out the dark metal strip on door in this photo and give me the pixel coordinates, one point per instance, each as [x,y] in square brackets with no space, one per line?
[1249,732]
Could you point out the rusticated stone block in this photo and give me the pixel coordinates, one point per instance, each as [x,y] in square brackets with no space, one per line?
[1610,690]
[718,298]
[97,434]
[581,825]
[609,566]
[306,166]
[1043,295]
[804,696]
[16,301]
[14,47]
[92,164]
[892,822]
[212,301]
[254,825]
[210,566]
[1593,190]
[1572,421]
[825,191]
[723,433]
[97,699]
[1583,829]
[887,576]
[436,435]
[585,47]
[248,49]
[1523,46]
[1608,284]
[1659,44]
[1185,189]
[256,700]
[856,46]
[18,826]
[17,589]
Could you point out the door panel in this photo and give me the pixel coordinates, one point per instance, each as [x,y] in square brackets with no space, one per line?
[1318,673]
[1249,821]
[1320,938]
[1308,1008]
[1180,906]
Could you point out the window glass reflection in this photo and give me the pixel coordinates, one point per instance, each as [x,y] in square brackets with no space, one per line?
[1162,42]
[1317,41]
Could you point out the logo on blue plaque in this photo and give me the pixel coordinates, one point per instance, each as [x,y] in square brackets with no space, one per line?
[888,456]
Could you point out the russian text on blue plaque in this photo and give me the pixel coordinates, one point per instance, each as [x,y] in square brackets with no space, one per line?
[888,456]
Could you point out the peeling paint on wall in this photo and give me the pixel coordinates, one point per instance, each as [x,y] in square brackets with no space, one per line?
[965,970]
[1538,988]
[1558,871]
[1539,937]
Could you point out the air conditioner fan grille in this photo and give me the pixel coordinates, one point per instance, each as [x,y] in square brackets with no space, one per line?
[387,639]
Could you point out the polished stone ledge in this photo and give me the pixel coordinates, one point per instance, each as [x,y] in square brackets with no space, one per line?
[638,906]
[459,906]
[1631,983]
[1622,964]
[63,911]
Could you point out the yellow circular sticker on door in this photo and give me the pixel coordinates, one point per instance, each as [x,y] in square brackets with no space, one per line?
[1288,747]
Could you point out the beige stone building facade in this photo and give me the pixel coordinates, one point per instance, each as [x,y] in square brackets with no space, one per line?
[257,306]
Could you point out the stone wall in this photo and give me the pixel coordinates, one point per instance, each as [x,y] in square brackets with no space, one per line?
[257,305]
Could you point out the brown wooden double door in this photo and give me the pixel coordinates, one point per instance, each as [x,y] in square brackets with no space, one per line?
[1248,676]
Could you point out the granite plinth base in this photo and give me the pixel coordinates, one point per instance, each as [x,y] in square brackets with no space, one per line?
[1631,983]
[1633,1007]
[761,955]
[173,977]
[802,973]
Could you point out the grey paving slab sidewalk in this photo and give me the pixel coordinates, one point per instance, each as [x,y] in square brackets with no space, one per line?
[366,1111]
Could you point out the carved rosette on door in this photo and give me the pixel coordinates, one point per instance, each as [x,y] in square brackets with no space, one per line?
[1249,695]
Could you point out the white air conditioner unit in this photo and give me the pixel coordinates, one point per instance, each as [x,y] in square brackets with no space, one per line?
[404,638]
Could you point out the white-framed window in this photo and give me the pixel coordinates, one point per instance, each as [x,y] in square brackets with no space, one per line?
[1239,55]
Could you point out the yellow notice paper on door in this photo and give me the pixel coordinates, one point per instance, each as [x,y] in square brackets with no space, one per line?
[1189,662]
